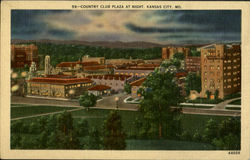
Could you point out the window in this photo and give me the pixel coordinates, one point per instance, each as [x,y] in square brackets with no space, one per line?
[205,86]
[229,80]
[229,67]
[205,80]
[218,67]
[218,80]
[229,86]
[205,73]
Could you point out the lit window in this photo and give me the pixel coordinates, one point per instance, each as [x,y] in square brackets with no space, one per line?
[218,67]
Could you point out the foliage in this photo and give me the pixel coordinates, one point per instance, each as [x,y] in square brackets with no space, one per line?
[205,101]
[216,94]
[94,139]
[114,136]
[193,82]
[87,100]
[208,93]
[194,53]
[127,88]
[231,96]
[69,52]
[225,135]
[179,56]
[161,93]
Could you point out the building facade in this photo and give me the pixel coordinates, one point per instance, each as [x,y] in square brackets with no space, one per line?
[100,90]
[139,72]
[58,87]
[99,60]
[22,55]
[193,64]
[220,70]
[168,52]
[135,86]
[116,82]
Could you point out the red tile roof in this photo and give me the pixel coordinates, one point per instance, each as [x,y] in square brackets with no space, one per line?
[138,82]
[138,68]
[181,74]
[66,64]
[99,88]
[60,80]
[89,63]
[109,76]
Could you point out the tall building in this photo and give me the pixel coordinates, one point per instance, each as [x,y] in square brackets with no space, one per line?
[220,69]
[47,65]
[168,52]
[22,55]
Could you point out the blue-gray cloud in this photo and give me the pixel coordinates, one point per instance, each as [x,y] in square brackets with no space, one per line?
[178,26]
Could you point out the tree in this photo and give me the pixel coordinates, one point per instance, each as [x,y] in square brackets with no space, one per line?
[193,82]
[229,134]
[208,93]
[94,139]
[87,100]
[216,94]
[161,94]
[114,136]
[127,88]
[211,130]
[179,56]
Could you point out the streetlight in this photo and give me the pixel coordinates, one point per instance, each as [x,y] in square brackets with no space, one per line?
[116,100]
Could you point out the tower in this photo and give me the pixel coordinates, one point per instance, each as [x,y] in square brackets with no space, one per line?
[47,65]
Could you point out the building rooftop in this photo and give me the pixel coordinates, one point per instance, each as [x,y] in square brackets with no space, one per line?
[109,76]
[99,88]
[66,64]
[138,82]
[137,68]
[60,80]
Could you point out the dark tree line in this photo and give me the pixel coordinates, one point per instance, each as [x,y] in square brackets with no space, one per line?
[69,52]
[61,132]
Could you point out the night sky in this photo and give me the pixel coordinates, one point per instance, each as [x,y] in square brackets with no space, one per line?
[175,27]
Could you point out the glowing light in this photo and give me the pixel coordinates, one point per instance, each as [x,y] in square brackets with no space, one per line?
[193,96]
[14,75]
[24,74]
[14,88]
[71,91]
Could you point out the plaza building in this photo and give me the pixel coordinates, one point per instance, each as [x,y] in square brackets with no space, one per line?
[135,71]
[22,55]
[100,90]
[135,86]
[220,69]
[116,82]
[99,60]
[168,52]
[193,64]
[58,87]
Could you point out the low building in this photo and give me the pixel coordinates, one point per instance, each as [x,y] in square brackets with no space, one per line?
[193,64]
[139,72]
[58,87]
[124,61]
[116,82]
[135,86]
[99,60]
[100,90]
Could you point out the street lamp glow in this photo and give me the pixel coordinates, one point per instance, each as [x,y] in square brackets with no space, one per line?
[116,100]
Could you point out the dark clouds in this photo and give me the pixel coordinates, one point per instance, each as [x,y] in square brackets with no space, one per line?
[171,26]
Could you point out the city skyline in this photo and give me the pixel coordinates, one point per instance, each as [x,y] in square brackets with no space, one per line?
[163,27]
